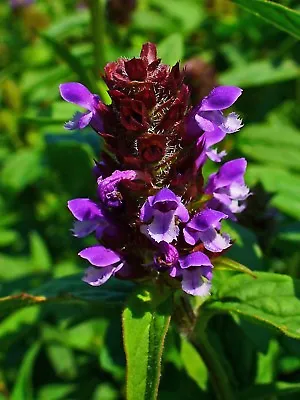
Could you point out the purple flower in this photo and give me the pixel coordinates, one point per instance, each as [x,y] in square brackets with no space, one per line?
[77,93]
[228,188]
[209,120]
[160,213]
[105,263]
[167,258]
[108,187]
[196,270]
[204,226]
[89,217]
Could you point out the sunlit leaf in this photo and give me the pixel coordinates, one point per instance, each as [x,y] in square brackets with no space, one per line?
[146,320]
[171,50]
[283,18]
[270,299]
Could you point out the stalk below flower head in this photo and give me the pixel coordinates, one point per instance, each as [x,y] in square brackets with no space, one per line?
[153,215]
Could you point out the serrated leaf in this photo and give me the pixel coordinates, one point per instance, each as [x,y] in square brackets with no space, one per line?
[146,320]
[283,18]
[271,299]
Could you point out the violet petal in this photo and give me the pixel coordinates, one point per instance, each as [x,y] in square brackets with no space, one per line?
[100,256]
[193,283]
[220,98]
[98,276]
[84,209]
[76,93]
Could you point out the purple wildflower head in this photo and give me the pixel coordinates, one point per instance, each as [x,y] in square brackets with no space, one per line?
[154,214]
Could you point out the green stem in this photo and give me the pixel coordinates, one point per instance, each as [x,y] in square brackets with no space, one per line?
[97,9]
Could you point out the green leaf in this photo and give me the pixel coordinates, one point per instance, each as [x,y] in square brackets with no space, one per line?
[22,169]
[8,237]
[22,389]
[57,391]
[260,73]
[265,143]
[40,255]
[72,61]
[194,364]
[245,249]
[68,24]
[282,17]
[271,299]
[62,360]
[18,325]
[171,49]
[283,183]
[69,289]
[188,14]
[70,160]
[146,320]
[266,364]
[226,264]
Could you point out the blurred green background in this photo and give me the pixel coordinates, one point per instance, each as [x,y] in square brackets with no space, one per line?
[66,352]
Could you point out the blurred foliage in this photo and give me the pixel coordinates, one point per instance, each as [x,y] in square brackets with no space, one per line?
[73,350]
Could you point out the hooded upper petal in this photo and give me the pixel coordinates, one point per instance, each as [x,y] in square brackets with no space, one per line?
[84,209]
[195,259]
[74,92]
[220,98]
[108,187]
[231,172]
